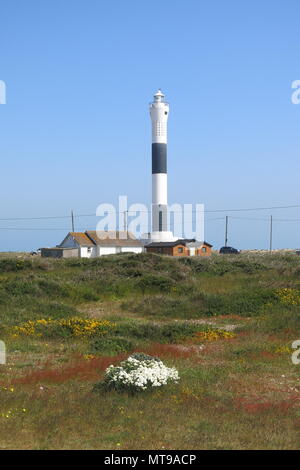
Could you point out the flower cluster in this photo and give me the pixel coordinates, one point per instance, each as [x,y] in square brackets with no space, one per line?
[7,389]
[74,326]
[140,372]
[284,350]
[13,413]
[288,296]
[212,335]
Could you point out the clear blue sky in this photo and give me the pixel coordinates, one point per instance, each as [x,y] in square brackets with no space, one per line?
[75,131]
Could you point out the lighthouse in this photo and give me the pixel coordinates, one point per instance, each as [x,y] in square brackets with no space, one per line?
[159,113]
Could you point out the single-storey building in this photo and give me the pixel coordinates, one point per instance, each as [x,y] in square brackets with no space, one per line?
[58,252]
[92,243]
[180,247]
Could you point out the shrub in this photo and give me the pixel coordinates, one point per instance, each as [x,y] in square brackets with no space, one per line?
[50,328]
[138,372]
[151,282]
[20,287]
[164,333]
[222,265]
[54,310]
[247,302]
[111,345]
[288,296]
[12,264]
[212,335]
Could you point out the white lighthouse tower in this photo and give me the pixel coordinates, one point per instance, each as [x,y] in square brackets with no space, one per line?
[159,112]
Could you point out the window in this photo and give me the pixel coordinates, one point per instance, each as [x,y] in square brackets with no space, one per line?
[89,250]
[203,249]
[180,249]
[160,221]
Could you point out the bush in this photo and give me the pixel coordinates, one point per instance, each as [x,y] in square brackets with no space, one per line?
[55,310]
[12,264]
[245,302]
[150,282]
[111,345]
[137,373]
[63,328]
[222,265]
[164,333]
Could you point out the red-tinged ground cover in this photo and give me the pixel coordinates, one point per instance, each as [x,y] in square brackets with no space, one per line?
[236,391]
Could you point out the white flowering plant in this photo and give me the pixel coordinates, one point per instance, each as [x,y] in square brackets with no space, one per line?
[139,372]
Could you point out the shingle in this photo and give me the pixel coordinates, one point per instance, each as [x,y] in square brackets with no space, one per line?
[113,238]
[82,239]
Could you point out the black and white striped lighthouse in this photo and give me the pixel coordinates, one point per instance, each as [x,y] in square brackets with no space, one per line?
[159,112]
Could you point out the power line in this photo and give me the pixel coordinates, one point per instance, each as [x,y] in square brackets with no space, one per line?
[217,218]
[247,218]
[254,209]
[287,220]
[134,212]
[25,228]
[37,218]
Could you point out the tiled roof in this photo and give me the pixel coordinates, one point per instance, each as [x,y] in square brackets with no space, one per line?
[82,239]
[184,242]
[198,244]
[111,238]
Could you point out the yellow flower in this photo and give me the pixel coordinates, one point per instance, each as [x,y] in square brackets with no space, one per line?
[76,325]
[212,335]
[288,296]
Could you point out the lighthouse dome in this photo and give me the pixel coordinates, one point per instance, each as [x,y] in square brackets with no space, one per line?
[159,95]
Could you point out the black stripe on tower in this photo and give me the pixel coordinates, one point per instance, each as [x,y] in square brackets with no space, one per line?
[159,158]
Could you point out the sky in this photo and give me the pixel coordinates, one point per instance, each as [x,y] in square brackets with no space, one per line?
[75,130]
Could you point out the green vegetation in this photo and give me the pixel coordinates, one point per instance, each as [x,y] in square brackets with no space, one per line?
[226,323]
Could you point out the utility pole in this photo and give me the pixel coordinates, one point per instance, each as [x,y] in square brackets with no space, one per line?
[125,221]
[72,219]
[226,230]
[125,224]
[271,233]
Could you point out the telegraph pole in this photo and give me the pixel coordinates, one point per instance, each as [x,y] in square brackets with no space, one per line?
[125,221]
[72,219]
[226,230]
[271,233]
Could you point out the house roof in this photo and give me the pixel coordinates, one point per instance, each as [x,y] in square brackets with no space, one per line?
[82,239]
[113,238]
[198,244]
[183,242]
[206,243]
[164,244]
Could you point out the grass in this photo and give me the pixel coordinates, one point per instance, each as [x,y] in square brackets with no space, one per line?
[238,390]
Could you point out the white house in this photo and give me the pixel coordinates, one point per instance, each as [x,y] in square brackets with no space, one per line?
[92,243]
